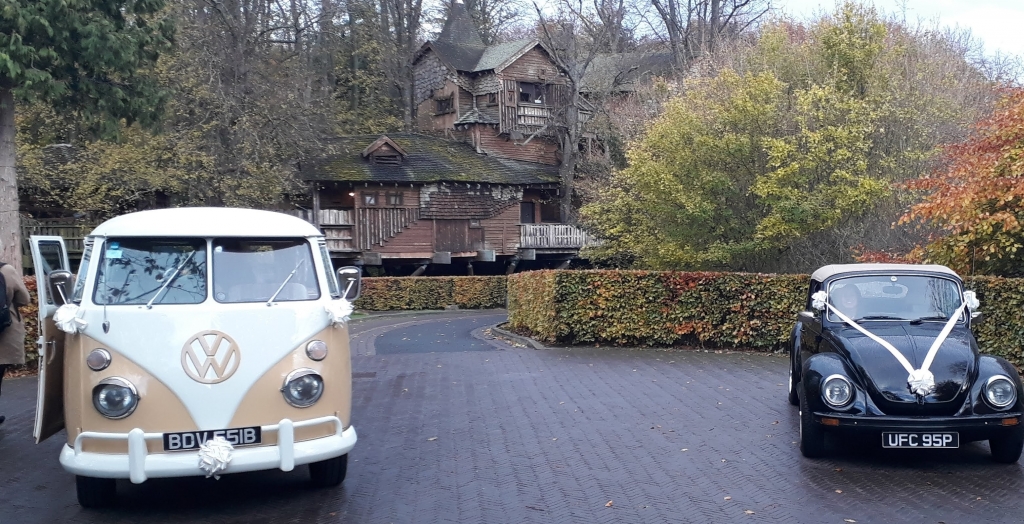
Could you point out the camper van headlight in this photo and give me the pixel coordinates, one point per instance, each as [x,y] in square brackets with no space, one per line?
[303,387]
[316,350]
[115,397]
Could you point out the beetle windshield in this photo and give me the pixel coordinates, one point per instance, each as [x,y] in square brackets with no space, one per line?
[894,297]
[253,270]
[161,270]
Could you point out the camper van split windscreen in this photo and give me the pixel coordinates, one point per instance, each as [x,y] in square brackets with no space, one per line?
[151,271]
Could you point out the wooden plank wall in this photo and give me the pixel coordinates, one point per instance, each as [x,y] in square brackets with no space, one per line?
[501,232]
[418,237]
[540,149]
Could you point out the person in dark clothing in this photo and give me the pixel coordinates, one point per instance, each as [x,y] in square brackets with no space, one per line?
[12,337]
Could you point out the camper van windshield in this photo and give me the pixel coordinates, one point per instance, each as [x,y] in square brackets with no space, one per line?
[135,270]
[252,270]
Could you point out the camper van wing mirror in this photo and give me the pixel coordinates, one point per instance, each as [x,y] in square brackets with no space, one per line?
[59,281]
[349,280]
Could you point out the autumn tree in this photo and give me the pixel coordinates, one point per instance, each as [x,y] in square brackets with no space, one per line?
[89,57]
[975,201]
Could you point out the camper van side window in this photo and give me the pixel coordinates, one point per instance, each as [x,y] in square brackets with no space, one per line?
[83,271]
[252,270]
[161,270]
[332,283]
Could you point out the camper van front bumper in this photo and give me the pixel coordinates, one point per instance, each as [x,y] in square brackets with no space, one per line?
[139,465]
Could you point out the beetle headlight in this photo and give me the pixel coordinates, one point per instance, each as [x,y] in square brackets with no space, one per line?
[316,350]
[115,397]
[1000,392]
[303,387]
[837,391]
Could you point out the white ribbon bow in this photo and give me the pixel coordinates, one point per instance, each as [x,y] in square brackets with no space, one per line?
[921,381]
[339,311]
[214,456]
[68,320]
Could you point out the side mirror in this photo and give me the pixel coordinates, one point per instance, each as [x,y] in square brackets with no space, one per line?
[807,316]
[349,278]
[59,282]
[976,317]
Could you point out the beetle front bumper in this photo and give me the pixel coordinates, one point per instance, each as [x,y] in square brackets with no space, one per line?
[139,465]
[970,427]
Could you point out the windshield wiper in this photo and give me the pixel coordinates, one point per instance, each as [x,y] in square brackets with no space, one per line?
[933,317]
[177,270]
[878,317]
[285,283]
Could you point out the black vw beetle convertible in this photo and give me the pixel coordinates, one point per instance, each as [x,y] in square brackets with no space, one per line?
[886,351]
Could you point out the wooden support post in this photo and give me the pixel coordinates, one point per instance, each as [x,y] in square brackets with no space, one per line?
[316,205]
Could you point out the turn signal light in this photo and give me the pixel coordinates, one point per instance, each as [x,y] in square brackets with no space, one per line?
[1010,422]
[830,421]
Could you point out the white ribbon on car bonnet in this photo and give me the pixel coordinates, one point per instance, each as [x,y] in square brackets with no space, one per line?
[68,320]
[921,381]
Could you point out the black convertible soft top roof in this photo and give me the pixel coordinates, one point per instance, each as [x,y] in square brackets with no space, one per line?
[825,272]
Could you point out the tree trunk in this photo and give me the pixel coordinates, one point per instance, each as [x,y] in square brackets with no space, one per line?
[10,223]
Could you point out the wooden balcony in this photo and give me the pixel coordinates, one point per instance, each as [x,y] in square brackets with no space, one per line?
[532,116]
[553,236]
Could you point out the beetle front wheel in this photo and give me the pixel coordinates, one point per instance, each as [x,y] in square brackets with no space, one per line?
[1007,448]
[794,399]
[812,435]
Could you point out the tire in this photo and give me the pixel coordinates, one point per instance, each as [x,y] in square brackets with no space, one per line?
[794,399]
[1007,448]
[812,435]
[328,473]
[95,492]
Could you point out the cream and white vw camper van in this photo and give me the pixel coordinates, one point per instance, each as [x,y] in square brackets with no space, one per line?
[195,341]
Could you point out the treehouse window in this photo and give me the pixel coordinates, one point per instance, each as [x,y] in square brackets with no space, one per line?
[394,199]
[369,198]
[492,99]
[445,105]
[531,93]
[549,212]
[385,159]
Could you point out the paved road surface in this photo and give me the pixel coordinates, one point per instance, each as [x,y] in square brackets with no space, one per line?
[460,428]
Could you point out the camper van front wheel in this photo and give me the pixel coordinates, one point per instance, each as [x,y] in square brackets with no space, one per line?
[328,473]
[94,492]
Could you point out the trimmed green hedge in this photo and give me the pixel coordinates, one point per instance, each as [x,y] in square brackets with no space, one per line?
[648,308]
[403,293]
[1001,332]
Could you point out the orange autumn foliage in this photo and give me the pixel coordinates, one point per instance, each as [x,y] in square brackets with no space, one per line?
[976,200]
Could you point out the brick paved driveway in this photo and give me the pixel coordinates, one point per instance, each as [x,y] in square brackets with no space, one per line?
[547,436]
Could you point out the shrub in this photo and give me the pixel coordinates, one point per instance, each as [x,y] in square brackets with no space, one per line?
[646,308]
[1001,332]
[404,293]
[30,314]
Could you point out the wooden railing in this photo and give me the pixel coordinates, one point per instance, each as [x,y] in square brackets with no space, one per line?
[557,236]
[532,116]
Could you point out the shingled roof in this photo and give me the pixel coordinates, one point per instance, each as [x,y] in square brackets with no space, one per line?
[429,159]
[460,46]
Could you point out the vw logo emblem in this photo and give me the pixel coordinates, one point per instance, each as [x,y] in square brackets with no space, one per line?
[210,357]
